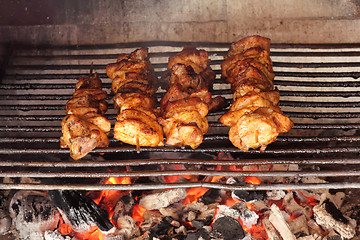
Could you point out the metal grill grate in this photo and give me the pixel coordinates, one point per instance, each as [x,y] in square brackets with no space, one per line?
[319,90]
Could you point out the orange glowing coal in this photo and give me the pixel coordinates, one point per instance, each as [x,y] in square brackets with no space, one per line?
[253,180]
[138,212]
[194,194]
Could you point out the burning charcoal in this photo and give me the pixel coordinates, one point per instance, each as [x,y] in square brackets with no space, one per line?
[5,221]
[163,227]
[228,228]
[173,210]
[198,234]
[123,207]
[244,195]
[291,206]
[55,235]
[247,216]
[193,210]
[224,210]
[270,230]
[162,199]
[128,227]
[275,195]
[330,217]
[200,223]
[112,237]
[33,214]
[79,211]
[277,219]
[213,195]
[299,226]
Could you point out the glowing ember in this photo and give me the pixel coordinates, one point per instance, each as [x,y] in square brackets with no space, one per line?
[93,234]
[253,180]
[138,212]
[194,194]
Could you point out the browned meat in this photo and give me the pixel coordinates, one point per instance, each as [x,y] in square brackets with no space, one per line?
[185,105]
[85,127]
[254,118]
[132,81]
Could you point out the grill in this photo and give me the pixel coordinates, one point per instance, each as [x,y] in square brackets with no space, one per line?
[319,90]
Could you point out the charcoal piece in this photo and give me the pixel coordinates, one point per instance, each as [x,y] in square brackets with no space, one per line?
[229,228]
[32,213]
[123,207]
[79,211]
[213,195]
[198,234]
[335,212]
[248,196]
[162,227]
[199,223]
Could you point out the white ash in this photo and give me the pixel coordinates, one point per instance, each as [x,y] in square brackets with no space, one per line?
[311,237]
[231,180]
[128,227]
[163,199]
[247,216]
[173,210]
[32,214]
[224,210]
[114,237]
[55,235]
[192,210]
[346,227]
[314,228]
[181,230]
[279,222]
[275,195]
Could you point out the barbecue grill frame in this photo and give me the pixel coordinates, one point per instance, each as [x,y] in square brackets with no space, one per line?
[344,148]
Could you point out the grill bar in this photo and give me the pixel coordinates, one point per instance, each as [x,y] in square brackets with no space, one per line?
[165,186]
[319,89]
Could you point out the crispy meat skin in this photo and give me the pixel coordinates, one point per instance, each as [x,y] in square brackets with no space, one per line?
[132,81]
[84,127]
[81,136]
[190,56]
[254,118]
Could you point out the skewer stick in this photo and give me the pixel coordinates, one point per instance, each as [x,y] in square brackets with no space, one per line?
[91,69]
[137,145]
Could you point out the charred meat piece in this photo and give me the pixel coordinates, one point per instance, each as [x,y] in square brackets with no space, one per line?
[254,118]
[132,83]
[85,127]
[186,103]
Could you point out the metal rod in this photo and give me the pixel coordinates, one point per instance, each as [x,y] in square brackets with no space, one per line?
[165,186]
[94,174]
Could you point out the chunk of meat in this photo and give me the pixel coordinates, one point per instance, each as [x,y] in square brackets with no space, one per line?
[81,136]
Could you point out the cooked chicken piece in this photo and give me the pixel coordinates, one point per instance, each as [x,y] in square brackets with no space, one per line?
[187,104]
[139,133]
[253,131]
[81,136]
[92,82]
[254,118]
[175,92]
[188,79]
[250,87]
[132,81]
[217,103]
[190,56]
[96,94]
[180,134]
[232,69]
[270,98]
[133,100]
[247,43]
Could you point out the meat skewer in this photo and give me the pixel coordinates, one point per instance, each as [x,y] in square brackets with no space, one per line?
[185,105]
[254,118]
[85,127]
[132,83]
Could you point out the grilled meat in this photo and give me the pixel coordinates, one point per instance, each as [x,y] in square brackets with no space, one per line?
[185,105]
[85,127]
[132,81]
[254,118]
